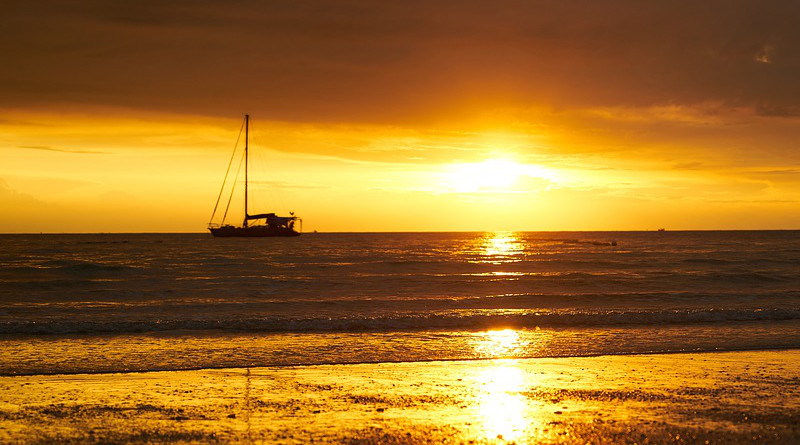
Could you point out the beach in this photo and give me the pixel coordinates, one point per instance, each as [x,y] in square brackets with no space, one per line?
[725,397]
[401,338]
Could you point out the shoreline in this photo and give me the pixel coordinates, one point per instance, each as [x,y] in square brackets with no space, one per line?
[422,361]
[720,397]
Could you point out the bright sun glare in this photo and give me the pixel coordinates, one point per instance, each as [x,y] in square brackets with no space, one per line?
[501,407]
[491,175]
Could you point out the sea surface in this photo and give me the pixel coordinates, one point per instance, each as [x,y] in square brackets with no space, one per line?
[140,302]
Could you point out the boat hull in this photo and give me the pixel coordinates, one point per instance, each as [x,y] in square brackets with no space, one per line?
[252,231]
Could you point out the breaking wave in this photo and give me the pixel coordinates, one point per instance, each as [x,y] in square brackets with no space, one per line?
[462,319]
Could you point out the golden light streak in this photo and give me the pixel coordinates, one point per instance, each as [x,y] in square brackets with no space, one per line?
[499,343]
[502,409]
[501,247]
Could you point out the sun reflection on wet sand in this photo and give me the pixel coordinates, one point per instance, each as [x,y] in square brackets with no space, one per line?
[498,403]
[500,406]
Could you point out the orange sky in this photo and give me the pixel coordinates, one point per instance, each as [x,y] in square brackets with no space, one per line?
[538,115]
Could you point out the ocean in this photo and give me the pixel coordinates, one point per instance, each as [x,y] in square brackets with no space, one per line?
[90,303]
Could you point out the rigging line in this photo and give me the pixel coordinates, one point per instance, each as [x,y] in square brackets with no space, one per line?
[230,198]
[224,180]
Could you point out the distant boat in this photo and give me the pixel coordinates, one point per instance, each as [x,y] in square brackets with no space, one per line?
[257,225]
[662,230]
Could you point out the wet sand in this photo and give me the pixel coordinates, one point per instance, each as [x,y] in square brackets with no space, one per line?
[731,397]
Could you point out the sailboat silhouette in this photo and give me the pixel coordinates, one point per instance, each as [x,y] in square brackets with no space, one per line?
[256,225]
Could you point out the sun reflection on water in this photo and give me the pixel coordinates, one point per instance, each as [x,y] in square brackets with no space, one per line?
[499,343]
[501,247]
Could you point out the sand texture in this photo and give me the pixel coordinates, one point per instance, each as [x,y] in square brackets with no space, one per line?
[733,397]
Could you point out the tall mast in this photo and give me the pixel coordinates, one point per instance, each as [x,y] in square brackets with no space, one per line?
[246,156]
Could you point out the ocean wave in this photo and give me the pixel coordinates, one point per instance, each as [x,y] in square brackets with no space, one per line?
[65,266]
[463,320]
[745,277]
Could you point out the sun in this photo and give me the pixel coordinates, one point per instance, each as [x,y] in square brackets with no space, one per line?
[493,175]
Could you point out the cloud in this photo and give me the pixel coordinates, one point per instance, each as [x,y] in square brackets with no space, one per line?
[387,62]
[44,186]
[778,110]
[288,185]
[8,193]
[764,201]
[688,166]
[764,54]
[27,210]
[60,150]
[786,178]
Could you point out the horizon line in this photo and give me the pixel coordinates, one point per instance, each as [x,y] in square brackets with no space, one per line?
[418,231]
